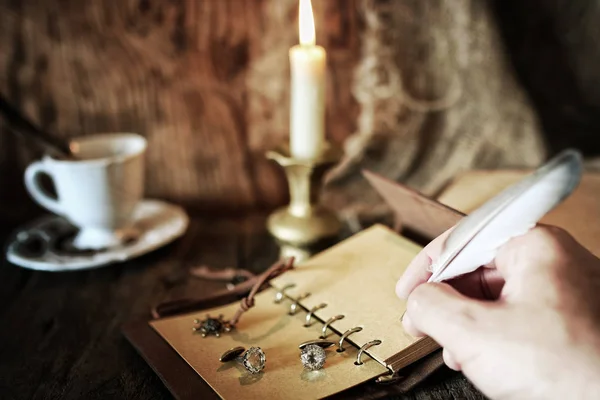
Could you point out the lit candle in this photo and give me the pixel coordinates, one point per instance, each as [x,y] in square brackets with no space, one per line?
[307,105]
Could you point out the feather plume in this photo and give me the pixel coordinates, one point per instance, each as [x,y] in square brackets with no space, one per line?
[475,240]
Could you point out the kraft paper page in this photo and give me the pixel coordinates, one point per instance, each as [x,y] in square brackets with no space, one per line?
[268,326]
[356,278]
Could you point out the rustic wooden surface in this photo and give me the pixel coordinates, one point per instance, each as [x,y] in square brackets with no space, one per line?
[61,338]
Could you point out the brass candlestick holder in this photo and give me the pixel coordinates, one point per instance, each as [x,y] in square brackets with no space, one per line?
[303,223]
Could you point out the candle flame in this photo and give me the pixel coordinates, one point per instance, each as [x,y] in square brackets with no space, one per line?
[306,24]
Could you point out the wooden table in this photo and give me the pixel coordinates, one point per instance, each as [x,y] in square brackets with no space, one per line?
[60,334]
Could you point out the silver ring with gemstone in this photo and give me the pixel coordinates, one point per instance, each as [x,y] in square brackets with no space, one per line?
[253,360]
[313,353]
[211,326]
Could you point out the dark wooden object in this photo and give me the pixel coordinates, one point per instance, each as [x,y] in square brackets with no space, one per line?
[61,332]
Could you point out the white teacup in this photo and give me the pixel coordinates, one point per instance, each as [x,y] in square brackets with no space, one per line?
[99,191]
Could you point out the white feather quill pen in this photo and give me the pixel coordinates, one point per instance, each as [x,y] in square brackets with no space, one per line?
[475,240]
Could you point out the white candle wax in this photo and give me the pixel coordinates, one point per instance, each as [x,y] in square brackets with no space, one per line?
[307,102]
[307,106]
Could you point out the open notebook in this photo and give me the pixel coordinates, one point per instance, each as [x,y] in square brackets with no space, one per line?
[356,279]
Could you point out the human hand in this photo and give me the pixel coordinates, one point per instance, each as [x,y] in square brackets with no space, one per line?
[525,326]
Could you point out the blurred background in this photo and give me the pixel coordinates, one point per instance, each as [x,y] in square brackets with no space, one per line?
[417,90]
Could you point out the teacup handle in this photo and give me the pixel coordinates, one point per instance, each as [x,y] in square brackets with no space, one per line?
[39,194]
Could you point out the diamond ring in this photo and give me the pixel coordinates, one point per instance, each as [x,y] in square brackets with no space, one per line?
[313,353]
[253,360]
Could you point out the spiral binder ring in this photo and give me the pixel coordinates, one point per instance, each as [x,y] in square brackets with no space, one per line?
[294,305]
[329,322]
[345,335]
[280,295]
[364,347]
[311,312]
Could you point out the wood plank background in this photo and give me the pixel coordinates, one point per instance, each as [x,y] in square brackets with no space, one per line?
[417,90]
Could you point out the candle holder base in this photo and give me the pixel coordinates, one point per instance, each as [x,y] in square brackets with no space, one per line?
[303,230]
[301,225]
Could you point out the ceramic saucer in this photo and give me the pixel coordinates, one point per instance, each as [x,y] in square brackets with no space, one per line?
[46,243]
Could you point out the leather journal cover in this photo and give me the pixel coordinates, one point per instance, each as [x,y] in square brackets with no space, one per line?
[355,280]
